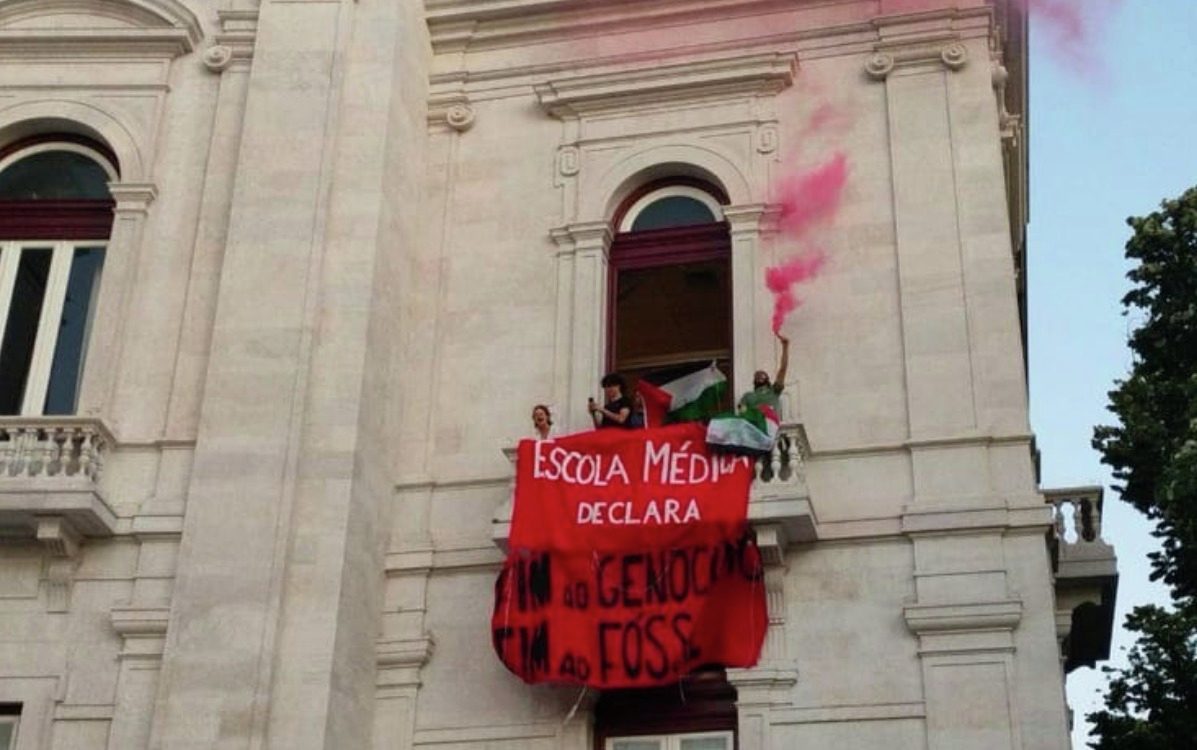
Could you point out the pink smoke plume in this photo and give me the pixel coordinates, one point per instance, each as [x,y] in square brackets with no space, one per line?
[782,279]
[808,198]
[1070,27]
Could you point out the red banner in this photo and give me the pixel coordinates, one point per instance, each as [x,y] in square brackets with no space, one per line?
[631,560]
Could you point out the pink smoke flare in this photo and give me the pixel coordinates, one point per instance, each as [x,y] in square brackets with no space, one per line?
[809,198]
[782,279]
[1070,27]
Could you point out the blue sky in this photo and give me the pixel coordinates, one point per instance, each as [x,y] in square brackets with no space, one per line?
[1102,148]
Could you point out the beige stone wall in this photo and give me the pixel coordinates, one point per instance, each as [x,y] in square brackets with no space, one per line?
[355,241]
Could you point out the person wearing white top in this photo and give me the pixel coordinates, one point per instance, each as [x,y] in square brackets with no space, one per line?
[542,422]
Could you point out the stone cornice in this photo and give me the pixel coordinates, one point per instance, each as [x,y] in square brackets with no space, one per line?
[582,235]
[491,23]
[748,75]
[116,43]
[132,622]
[923,619]
[155,28]
[455,25]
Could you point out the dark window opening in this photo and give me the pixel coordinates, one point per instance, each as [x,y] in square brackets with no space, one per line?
[10,717]
[670,292]
[21,324]
[702,703]
[56,211]
[672,211]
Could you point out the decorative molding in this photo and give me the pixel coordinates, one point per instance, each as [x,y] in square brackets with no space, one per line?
[879,65]
[57,536]
[107,43]
[944,49]
[746,75]
[767,138]
[451,110]
[134,622]
[954,56]
[850,714]
[928,619]
[486,733]
[569,160]
[157,28]
[83,712]
[399,661]
[143,632]
[217,57]
[923,519]
[132,197]
[61,542]
[583,235]
[763,686]
[455,24]
[234,45]
[754,219]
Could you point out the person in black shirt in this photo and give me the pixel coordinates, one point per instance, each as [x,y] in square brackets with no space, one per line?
[617,411]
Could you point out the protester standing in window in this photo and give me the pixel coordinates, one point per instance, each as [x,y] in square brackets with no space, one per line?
[764,392]
[617,411]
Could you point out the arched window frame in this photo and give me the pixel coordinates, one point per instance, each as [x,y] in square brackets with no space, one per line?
[583,246]
[703,195]
[74,144]
[64,228]
[649,248]
[58,219]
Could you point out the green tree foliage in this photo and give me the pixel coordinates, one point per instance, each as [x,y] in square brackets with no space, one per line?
[1152,703]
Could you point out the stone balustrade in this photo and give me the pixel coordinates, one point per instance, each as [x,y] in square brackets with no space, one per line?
[787,463]
[1086,575]
[1076,514]
[48,448]
[50,469]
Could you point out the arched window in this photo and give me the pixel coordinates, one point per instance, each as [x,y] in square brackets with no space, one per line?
[55,219]
[670,282]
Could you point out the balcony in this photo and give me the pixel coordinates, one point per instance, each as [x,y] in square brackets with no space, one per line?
[1086,571]
[49,480]
[779,507]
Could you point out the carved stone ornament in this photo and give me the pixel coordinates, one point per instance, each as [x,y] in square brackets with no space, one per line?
[217,58]
[766,139]
[568,159]
[460,117]
[879,65]
[954,56]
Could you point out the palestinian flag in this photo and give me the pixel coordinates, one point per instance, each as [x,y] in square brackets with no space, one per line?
[752,431]
[690,398]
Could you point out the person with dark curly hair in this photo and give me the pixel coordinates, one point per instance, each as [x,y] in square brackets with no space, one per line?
[616,411]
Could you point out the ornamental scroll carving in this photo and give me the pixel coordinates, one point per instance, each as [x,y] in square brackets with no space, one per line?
[952,55]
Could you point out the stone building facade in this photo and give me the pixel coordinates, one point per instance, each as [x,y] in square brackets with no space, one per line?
[282,279]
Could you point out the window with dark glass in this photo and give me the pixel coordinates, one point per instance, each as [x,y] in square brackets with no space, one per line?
[55,219]
[699,713]
[10,718]
[670,294]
